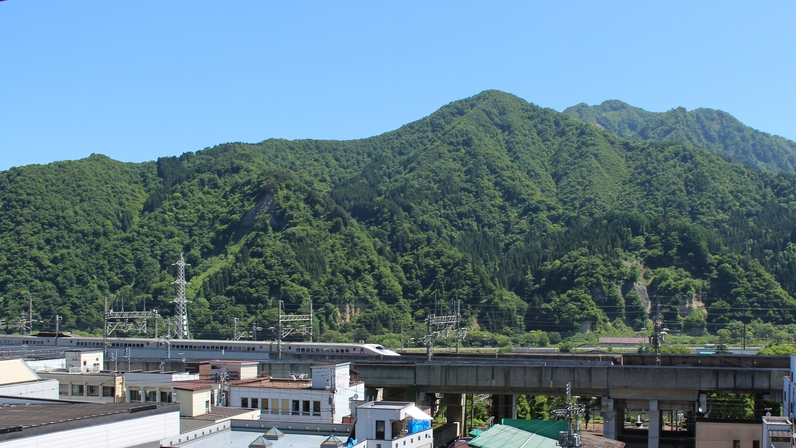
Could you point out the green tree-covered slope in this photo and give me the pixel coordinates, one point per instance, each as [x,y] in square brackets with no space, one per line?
[713,130]
[534,220]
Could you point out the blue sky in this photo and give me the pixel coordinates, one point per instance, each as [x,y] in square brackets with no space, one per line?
[144,79]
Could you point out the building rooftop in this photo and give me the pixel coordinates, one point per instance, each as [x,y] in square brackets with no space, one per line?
[274,383]
[221,361]
[222,412]
[501,436]
[27,420]
[14,371]
[242,439]
[193,386]
[396,405]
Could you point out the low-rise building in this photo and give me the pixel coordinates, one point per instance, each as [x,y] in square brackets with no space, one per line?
[17,379]
[778,432]
[326,397]
[221,369]
[84,361]
[79,425]
[389,424]
[197,408]
[789,391]
[147,387]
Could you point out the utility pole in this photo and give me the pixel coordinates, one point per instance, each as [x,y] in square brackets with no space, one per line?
[744,329]
[283,331]
[658,333]
[57,327]
[255,329]
[571,437]
[438,325]
[236,336]
[126,322]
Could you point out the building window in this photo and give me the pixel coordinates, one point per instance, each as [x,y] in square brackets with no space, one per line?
[152,395]
[285,407]
[77,389]
[316,409]
[63,389]
[108,391]
[275,406]
[135,395]
[736,444]
[244,402]
[93,391]
[305,407]
[165,397]
[264,403]
[755,444]
[296,407]
[380,429]
[255,403]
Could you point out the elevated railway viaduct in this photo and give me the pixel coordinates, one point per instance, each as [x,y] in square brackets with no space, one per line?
[621,382]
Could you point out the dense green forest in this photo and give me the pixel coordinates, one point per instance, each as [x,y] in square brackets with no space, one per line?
[713,130]
[537,223]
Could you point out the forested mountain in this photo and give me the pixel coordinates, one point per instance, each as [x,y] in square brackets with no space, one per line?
[713,130]
[532,219]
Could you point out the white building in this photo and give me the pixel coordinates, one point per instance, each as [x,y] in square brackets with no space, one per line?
[777,432]
[84,361]
[80,425]
[145,387]
[788,391]
[222,369]
[197,409]
[388,424]
[324,398]
[103,387]
[17,379]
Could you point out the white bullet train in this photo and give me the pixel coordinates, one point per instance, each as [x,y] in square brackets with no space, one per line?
[143,348]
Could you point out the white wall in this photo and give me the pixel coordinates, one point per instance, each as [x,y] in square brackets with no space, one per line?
[39,389]
[120,434]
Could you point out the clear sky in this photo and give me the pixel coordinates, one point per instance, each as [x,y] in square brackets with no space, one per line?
[137,80]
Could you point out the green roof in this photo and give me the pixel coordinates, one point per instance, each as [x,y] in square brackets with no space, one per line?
[502,436]
[547,428]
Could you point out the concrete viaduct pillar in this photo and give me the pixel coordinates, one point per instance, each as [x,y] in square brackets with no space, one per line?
[609,418]
[455,410]
[654,436]
[505,406]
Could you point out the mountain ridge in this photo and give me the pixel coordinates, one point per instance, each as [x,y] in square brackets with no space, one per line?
[518,210]
[714,130]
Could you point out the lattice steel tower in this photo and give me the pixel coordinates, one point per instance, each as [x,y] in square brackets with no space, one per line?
[180,302]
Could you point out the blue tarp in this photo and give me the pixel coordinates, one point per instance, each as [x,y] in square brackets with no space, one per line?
[413,426]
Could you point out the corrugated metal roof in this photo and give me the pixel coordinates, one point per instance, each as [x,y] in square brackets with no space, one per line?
[501,436]
[547,428]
